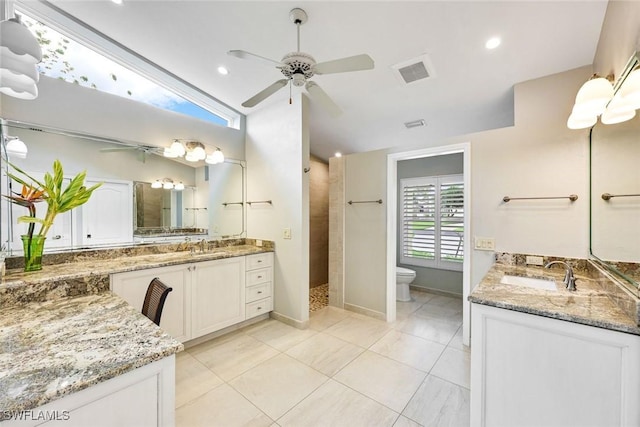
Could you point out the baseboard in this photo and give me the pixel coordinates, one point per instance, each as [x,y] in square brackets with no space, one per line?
[365,311]
[435,291]
[289,321]
[228,329]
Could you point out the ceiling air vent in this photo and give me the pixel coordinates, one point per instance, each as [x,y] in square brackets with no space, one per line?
[415,69]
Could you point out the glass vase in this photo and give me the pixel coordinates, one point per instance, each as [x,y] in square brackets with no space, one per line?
[33,247]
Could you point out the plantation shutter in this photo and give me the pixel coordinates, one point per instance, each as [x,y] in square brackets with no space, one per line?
[419,208]
[432,216]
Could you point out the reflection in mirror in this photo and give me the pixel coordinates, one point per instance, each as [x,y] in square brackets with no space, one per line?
[615,223]
[119,164]
[226,199]
[159,210]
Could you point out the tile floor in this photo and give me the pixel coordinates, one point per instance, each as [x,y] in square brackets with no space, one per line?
[345,370]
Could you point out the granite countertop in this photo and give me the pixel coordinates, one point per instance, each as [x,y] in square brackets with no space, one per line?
[53,348]
[589,305]
[91,275]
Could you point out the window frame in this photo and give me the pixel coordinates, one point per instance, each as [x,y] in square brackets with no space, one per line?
[71,27]
[437,262]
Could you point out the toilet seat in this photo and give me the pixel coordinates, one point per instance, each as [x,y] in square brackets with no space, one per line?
[401,271]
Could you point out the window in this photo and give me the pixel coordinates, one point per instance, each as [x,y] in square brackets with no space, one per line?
[67,56]
[432,217]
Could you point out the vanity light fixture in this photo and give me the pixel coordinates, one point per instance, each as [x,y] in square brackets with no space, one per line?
[167,184]
[614,103]
[156,184]
[179,186]
[15,147]
[215,157]
[20,52]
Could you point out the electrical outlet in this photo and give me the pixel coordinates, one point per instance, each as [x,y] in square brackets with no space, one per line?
[484,243]
[534,260]
[287,233]
[259,243]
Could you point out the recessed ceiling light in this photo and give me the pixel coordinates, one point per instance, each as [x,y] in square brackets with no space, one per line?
[338,154]
[492,43]
[222,70]
[117,1]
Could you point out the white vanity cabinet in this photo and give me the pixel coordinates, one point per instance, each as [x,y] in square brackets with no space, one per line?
[217,295]
[207,296]
[259,282]
[529,370]
[132,287]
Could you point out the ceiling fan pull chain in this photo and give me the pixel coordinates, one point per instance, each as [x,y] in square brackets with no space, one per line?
[290,101]
[298,28]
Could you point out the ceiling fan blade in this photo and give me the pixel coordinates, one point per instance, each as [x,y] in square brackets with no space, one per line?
[261,96]
[343,65]
[247,55]
[321,97]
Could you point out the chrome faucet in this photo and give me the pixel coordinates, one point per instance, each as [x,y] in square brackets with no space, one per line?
[202,243]
[569,279]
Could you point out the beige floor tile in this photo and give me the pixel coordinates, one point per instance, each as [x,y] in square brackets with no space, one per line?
[278,384]
[439,403]
[359,330]
[428,328]
[325,353]
[450,311]
[328,316]
[333,404]
[382,379]
[404,309]
[453,366]
[280,336]
[403,421]
[231,357]
[193,379]
[411,350]
[222,406]
[421,296]
[456,342]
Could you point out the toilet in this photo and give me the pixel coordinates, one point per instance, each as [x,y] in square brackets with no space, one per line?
[404,277]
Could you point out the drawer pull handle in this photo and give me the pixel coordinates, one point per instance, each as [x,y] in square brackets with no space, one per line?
[259,261]
[57,237]
[259,308]
[259,277]
[259,292]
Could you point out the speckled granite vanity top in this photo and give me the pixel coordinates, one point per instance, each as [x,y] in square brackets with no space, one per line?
[54,348]
[590,305]
[61,329]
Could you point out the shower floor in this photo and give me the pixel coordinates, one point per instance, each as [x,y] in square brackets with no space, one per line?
[318,297]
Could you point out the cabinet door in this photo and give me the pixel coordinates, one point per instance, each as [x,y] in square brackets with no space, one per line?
[107,218]
[218,295]
[132,287]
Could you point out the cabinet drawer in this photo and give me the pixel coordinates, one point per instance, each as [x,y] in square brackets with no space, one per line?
[259,307]
[255,277]
[257,292]
[259,260]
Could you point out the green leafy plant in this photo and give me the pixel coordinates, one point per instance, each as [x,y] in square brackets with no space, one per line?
[58,199]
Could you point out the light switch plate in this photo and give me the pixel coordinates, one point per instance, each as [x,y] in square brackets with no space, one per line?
[484,243]
[534,260]
[286,233]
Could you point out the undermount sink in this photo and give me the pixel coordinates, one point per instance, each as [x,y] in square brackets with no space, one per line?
[529,282]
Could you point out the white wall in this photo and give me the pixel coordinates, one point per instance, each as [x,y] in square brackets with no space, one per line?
[277,151]
[225,186]
[365,233]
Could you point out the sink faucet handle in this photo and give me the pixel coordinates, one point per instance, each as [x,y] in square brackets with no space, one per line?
[571,285]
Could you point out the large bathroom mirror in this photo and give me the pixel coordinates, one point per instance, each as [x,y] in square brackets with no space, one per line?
[134,166]
[615,197]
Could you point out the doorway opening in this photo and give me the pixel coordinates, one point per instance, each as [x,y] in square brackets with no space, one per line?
[394,198]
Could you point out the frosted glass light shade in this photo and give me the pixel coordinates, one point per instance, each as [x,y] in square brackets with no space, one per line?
[593,97]
[215,157]
[191,157]
[630,91]
[156,184]
[15,70]
[18,90]
[178,148]
[167,185]
[168,152]
[581,122]
[19,40]
[199,153]
[618,111]
[15,147]
[179,186]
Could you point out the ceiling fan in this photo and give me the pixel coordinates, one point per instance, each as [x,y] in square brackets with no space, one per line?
[299,67]
[143,150]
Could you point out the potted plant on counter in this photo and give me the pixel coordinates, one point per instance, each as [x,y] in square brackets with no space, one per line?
[58,199]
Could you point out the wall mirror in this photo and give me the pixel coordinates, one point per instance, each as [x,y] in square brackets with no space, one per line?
[125,163]
[615,196]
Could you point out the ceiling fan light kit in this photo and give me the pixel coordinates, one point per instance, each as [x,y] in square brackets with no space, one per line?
[299,67]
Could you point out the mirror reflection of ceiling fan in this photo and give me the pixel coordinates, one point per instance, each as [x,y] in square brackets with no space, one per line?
[143,150]
[299,67]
